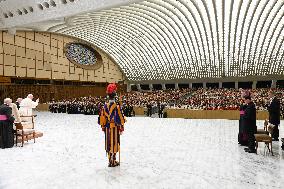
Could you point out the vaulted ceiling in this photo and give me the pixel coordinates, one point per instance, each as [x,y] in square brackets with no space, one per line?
[180,39]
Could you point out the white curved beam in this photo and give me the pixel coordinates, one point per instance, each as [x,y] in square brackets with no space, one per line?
[187,39]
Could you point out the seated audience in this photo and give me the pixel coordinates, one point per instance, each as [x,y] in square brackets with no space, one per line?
[158,101]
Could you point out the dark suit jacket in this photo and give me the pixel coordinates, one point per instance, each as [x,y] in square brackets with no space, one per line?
[274,112]
[18,105]
[6,110]
[249,118]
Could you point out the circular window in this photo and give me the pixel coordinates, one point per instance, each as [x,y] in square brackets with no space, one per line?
[64,1]
[5,15]
[82,55]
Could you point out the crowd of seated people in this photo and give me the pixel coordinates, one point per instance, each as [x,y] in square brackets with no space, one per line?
[82,105]
[156,101]
[168,97]
[86,105]
[195,99]
[200,99]
[227,99]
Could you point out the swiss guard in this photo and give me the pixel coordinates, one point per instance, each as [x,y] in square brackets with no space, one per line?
[112,121]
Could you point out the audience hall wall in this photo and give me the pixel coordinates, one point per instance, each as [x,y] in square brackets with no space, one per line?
[48,92]
[41,55]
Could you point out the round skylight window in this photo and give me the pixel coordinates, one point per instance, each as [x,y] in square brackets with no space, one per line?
[82,55]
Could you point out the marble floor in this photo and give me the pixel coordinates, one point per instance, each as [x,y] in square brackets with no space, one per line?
[156,153]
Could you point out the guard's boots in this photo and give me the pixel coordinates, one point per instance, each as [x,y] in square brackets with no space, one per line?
[115,163]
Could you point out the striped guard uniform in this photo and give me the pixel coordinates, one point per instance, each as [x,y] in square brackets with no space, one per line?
[112,122]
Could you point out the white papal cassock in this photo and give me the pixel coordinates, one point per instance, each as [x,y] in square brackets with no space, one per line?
[26,109]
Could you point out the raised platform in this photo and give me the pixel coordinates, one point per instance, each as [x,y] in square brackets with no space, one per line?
[211,114]
[204,114]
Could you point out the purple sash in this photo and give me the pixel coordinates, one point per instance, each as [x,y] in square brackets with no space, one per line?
[3,118]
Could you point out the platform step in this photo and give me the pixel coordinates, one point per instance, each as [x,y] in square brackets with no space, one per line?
[30,137]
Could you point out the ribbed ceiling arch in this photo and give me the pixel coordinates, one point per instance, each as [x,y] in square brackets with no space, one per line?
[188,39]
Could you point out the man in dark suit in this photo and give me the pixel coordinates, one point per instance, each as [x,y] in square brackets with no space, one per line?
[149,109]
[274,114]
[160,109]
[249,121]
[18,102]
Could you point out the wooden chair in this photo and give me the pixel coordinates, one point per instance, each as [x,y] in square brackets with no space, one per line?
[32,120]
[24,133]
[264,130]
[263,136]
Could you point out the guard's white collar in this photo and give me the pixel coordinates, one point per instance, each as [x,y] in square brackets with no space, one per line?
[110,101]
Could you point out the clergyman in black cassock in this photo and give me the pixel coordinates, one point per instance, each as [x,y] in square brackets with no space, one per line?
[6,125]
[243,135]
[249,120]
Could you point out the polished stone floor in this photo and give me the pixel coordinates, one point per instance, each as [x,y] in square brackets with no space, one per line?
[156,153]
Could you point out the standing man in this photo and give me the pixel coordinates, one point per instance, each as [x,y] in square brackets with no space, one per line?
[160,109]
[112,122]
[243,135]
[249,121]
[15,112]
[6,125]
[18,102]
[149,109]
[27,105]
[26,109]
[274,114]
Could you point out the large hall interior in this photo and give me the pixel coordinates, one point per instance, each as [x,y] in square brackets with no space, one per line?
[141,94]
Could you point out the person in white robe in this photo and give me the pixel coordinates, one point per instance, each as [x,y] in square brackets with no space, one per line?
[26,109]
[15,112]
